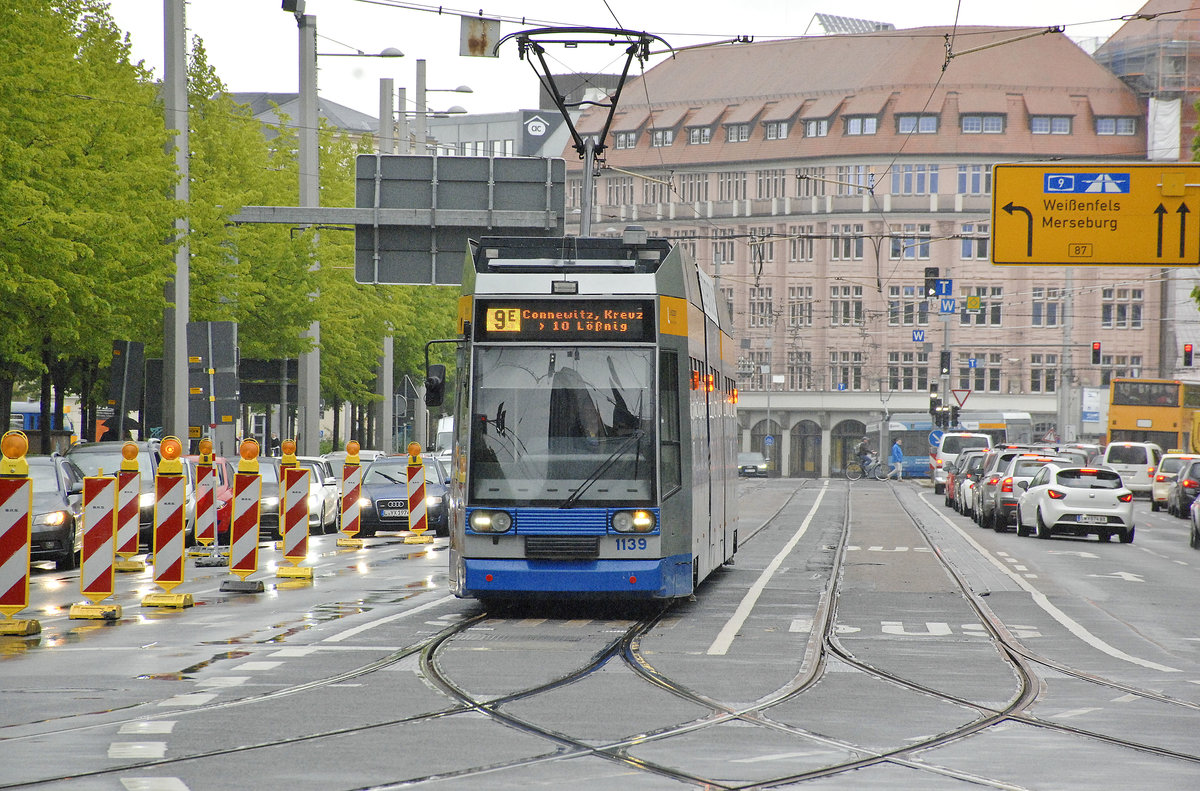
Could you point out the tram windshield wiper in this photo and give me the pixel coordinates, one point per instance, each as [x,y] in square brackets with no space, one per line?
[602,468]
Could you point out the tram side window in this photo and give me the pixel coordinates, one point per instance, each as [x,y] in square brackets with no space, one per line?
[668,430]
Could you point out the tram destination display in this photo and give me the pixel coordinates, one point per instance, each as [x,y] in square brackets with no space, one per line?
[564,320]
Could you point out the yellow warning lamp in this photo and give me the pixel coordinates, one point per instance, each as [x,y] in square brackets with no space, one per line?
[206,452]
[129,457]
[170,449]
[248,451]
[352,449]
[414,453]
[288,450]
[14,445]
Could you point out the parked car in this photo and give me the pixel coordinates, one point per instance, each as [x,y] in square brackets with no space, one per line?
[384,501]
[1020,469]
[1168,466]
[989,478]
[322,495]
[1135,461]
[1183,489]
[954,475]
[752,465]
[57,514]
[966,481]
[1194,533]
[104,458]
[949,446]
[1076,501]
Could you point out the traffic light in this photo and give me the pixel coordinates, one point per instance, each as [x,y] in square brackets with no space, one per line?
[1187,354]
[931,277]
[953,415]
[935,404]
[944,365]
[1095,352]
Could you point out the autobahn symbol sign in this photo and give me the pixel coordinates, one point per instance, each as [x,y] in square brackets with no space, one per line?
[1096,213]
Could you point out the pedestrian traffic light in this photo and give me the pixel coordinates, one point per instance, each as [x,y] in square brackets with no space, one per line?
[944,365]
[1187,354]
[931,277]
[1095,352]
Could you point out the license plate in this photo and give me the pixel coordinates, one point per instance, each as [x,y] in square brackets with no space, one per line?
[1092,519]
[393,513]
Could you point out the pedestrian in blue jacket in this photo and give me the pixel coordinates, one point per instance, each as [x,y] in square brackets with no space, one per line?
[897,459]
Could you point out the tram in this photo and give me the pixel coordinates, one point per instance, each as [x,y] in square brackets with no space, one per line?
[595,447]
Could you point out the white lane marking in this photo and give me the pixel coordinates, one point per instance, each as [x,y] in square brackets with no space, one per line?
[340,636]
[146,727]
[248,667]
[1120,575]
[153,784]
[292,652]
[720,646]
[1130,698]
[1041,600]
[1072,713]
[801,625]
[932,629]
[194,699]
[141,750]
[776,757]
[222,681]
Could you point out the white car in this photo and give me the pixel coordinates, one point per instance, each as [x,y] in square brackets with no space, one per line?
[322,494]
[1168,467]
[1135,461]
[1078,501]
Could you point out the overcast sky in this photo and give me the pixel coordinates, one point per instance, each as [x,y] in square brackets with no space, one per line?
[253,43]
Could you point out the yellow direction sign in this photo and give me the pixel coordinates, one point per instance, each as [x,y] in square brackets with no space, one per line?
[1102,213]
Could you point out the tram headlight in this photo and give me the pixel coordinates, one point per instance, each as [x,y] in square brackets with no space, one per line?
[633,521]
[490,521]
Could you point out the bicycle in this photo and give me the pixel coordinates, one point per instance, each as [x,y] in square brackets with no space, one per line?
[875,469]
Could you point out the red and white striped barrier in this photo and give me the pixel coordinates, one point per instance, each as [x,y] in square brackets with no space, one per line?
[293,509]
[16,526]
[97,579]
[206,505]
[417,521]
[129,510]
[169,526]
[243,538]
[351,491]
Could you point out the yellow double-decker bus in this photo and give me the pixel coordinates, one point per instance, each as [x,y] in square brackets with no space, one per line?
[1162,411]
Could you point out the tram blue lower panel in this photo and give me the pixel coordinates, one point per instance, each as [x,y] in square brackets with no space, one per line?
[659,578]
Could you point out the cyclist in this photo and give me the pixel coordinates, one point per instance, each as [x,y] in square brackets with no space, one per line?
[897,459]
[863,451]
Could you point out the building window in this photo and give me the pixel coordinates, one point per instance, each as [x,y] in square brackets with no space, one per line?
[737,133]
[846,306]
[861,124]
[762,249]
[799,370]
[760,307]
[854,179]
[771,183]
[981,372]
[1119,366]
[723,248]
[699,135]
[913,243]
[660,138]
[800,243]
[1047,307]
[727,295]
[800,306]
[693,187]
[908,371]
[982,124]
[1043,373]
[776,130]
[920,124]
[975,241]
[810,182]
[1050,124]
[731,186]
[907,306]
[818,127]
[1121,308]
[1116,126]
[981,306]
[656,189]
[845,370]
[914,179]
[620,190]
[847,242]
[625,140]
[974,180]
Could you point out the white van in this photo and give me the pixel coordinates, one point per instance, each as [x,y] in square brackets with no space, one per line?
[949,446]
[1135,462]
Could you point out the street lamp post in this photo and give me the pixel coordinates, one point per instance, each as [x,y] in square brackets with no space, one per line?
[420,123]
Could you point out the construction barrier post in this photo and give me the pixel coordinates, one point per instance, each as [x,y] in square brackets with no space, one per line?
[206,505]
[129,511]
[16,534]
[170,524]
[351,491]
[243,527]
[417,520]
[293,512]
[97,580]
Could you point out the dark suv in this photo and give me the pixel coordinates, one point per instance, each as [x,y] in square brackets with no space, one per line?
[104,458]
[57,510]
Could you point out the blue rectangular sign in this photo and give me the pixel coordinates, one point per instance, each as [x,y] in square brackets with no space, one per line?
[1080,183]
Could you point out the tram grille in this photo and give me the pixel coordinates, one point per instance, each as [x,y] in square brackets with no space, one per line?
[562,547]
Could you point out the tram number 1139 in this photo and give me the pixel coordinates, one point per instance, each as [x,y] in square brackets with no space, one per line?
[630,544]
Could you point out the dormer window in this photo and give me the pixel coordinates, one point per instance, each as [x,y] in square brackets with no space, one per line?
[975,124]
[817,127]
[1116,126]
[1050,124]
[660,138]
[919,123]
[861,124]
[625,140]
[776,130]
[737,133]
[699,135]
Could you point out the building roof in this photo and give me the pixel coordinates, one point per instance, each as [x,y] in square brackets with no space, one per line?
[339,116]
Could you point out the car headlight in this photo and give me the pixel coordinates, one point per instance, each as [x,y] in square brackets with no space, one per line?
[146,499]
[491,521]
[51,519]
[270,502]
[633,521]
[314,503]
[433,501]
[364,502]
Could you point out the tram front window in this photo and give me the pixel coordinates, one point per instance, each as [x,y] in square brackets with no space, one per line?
[562,426]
